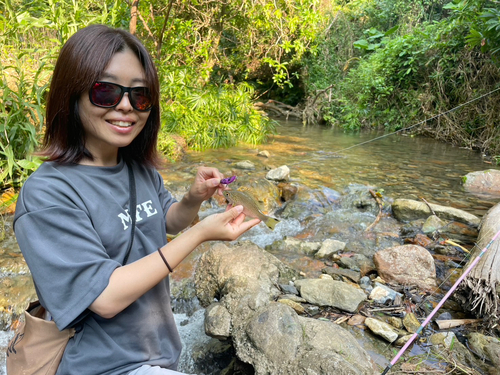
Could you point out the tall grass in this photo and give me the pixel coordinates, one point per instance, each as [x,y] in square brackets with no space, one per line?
[21,118]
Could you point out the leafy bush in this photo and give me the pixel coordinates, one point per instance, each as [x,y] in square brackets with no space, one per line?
[212,116]
[21,119]
[31,36]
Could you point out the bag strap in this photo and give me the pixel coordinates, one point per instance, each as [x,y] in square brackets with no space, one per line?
[132,208]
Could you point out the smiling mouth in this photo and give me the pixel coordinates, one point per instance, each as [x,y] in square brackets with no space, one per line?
[122,124]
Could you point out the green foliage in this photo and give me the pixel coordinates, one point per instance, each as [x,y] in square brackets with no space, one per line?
[21,119]
[363,63]
[382,88]
[396,78]
[260,42]
[201,48]
[484,24]
[212,117]
[374,39]
[31,34]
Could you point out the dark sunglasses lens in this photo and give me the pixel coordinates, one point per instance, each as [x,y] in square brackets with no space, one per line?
[140,98]
[105,94]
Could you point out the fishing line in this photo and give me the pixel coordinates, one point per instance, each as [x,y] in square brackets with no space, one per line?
[422,122]
[407,128]
[439,305]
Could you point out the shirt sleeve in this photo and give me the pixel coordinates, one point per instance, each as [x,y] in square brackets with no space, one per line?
[69,265]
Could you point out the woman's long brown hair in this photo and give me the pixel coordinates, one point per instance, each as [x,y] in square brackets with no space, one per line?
[81,62]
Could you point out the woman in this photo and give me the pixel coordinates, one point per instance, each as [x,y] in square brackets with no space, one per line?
[74,219]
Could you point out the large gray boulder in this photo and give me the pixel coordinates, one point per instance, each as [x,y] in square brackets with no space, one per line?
[328,292]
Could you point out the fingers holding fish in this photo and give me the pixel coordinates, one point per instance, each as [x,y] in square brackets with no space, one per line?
[226,226]
[206,183]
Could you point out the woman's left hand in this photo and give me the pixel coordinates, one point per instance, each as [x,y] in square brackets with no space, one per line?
[206,183]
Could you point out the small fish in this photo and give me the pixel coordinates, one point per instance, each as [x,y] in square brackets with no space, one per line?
[250,206]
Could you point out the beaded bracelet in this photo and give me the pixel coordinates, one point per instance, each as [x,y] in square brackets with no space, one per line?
[165,261]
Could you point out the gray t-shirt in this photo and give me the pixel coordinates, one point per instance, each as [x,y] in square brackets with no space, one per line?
[73,228]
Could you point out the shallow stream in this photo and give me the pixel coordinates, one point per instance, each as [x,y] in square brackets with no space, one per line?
[402,166]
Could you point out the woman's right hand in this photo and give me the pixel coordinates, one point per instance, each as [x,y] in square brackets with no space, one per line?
[225,226]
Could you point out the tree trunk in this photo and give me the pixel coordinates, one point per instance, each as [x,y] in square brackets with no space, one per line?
[133,17]
[480,289]
[217,28]
[165,21]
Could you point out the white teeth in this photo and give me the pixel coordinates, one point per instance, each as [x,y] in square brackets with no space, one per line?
[121,123]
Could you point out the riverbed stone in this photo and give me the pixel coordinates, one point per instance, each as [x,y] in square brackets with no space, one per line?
[358,197]
[295,245]
[245,165]
[282,347]
[443,339]
[401,341]
[17,293]
[329,346]
[382,329]
[279,174]
[383,294]
[217,321]
[487,181]
[328,248]
[310,247]
[408,210]
[329,292]
[395,322]
[411,323]
[289,288]
[432,224]
[460,231]
[352,275]
[407,265]
[293,297]
[349,263]
[288,190]
[485,347]
[299,309]
[366,284]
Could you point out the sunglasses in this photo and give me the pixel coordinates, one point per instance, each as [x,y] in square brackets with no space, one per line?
[108,95]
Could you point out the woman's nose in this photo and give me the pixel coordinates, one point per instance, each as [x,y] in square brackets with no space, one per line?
[124,104]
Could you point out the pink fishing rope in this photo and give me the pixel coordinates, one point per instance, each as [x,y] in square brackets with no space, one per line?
[403,349]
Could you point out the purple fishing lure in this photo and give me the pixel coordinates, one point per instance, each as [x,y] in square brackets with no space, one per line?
[227,181]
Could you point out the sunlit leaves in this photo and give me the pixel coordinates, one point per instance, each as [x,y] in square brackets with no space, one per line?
[212,116]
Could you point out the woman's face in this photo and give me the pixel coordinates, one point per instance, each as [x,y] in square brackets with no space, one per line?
[108,129]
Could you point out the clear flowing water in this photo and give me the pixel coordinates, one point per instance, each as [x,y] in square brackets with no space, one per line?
[399,166]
